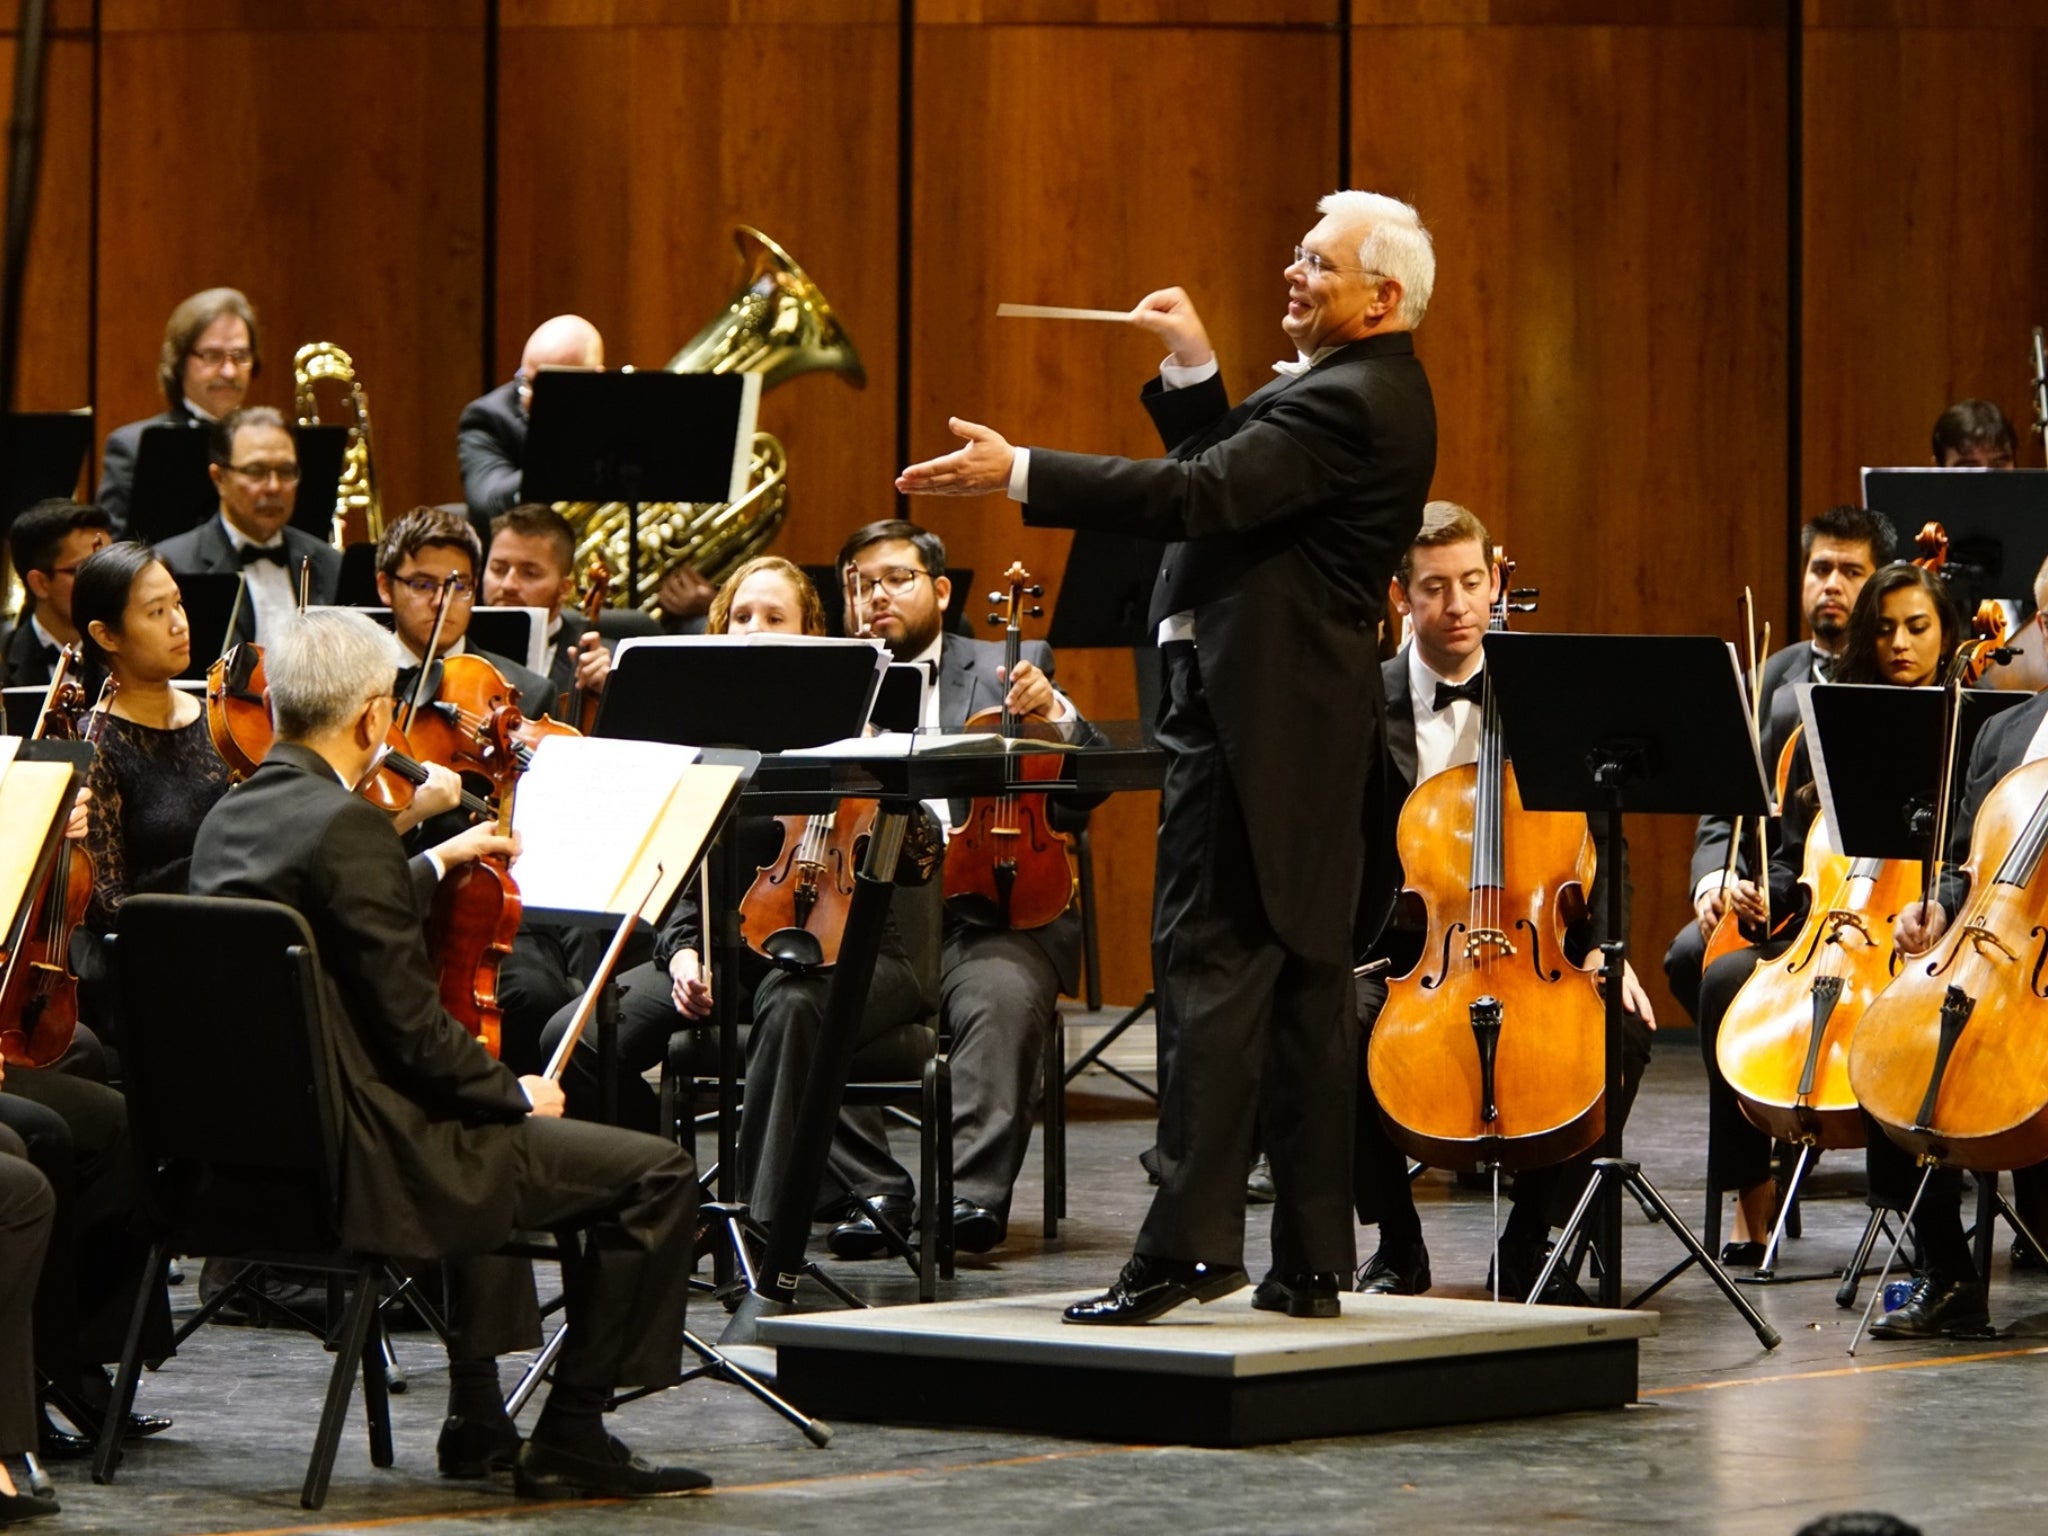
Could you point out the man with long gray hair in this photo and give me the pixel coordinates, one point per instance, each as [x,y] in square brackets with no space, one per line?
[446,1153]
[1283,519]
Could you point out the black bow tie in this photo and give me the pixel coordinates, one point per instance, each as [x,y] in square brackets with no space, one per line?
[1471,690]
[249,554]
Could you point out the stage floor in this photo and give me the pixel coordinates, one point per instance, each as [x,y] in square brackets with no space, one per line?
[1723,1439]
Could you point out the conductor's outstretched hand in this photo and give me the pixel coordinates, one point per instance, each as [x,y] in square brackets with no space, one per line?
[979,468]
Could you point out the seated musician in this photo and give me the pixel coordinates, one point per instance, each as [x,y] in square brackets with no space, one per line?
[47,544]
[28,1210]
[209,356]
[1444,586]
[1901,632]
[531,563]
[447,1153]
[256,471]
[765,595]
[490,439]
[1974,434]
[998,987]
[1838,551]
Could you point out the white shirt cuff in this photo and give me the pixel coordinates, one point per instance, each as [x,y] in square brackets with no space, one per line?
[433,857]
[1173,376]
[1020,475]
[1711,881]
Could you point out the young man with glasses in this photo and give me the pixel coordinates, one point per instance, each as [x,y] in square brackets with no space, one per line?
[208,358]
[256,471]
[48,543]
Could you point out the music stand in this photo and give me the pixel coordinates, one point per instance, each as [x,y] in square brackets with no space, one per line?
[521,633]
[1665,732]
[712,691]
[639,437]
[42,454]
[1996,519]
[172,492]
[320,450]
[209,598]
[899,702]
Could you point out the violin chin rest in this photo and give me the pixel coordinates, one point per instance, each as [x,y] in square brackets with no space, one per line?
[793,949]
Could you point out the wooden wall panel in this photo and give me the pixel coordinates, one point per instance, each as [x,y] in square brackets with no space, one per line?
[626,154]
[1926,227]
[1606,339]
[327,159]
[1063,165]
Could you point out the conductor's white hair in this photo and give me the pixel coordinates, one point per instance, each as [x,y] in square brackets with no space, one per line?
[322,668]
[1394,245]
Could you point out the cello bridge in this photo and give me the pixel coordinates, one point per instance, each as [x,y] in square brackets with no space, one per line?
[1488,938]
[1984,938]
[1837,921]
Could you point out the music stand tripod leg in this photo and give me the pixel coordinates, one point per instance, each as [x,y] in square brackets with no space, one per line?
[723,1367]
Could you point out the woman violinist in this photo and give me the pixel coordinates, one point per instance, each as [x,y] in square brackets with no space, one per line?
[767,595]
[1901,633]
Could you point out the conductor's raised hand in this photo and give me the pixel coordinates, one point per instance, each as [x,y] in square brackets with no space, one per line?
[979,468]
[1170,315]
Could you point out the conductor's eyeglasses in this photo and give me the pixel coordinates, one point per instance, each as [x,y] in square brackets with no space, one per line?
[1318,265]
[897,580]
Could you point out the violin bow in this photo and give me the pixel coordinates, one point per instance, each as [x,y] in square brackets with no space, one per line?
[419,683]
[227,641]
[588,1004]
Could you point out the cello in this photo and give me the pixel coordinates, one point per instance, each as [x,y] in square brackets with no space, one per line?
[38,990]
[1491,1051]
[1005,866]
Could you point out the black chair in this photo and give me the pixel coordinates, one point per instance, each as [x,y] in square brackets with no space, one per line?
[230,1083]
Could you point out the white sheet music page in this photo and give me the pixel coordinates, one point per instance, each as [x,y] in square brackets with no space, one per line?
[583,813]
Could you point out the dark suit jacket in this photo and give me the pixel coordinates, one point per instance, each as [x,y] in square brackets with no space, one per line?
[117,462]
[1792,664]
[430,1121]
[1285,518]
[562,665]
[25,663]
[1393,781]
[490,445]
[206,550]
[1996,753]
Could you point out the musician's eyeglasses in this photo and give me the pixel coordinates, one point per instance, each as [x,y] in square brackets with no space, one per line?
[897,580]
[1319,265]
[426,586]
[214,357]
[283,474]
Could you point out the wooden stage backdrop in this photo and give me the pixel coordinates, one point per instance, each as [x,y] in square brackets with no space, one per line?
[1700,259]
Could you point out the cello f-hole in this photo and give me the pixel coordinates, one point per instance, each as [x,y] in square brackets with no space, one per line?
[1451,933]
[2040,959]
[1535,951]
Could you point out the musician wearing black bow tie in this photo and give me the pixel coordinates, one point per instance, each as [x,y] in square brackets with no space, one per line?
[256,470]
[48,543]
[1444,586]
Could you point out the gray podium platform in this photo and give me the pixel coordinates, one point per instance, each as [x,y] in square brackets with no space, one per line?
[1220,1375]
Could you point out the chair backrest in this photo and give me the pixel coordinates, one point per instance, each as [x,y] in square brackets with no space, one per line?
[228,1069]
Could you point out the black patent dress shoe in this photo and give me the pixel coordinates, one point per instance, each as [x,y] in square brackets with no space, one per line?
[16,1507]
[1935,1308]
[1741,1255]
[1148,1287]
[1258,1184]
[859,1237]
[1299,1295]
[1396,1269]
[976,1228]
[544,1471]
[476,1447]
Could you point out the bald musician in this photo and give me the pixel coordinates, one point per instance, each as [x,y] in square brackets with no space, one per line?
[490,439]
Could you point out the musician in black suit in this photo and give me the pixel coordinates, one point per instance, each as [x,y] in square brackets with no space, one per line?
[256,470]
[28,1211]
[1285,516]
[446,1152]
[1838,551]
[531,563]
[1435,696]
[998,988]
[490,439]
[48,543]
[209,356]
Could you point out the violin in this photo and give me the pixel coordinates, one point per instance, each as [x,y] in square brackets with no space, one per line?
[457,728]
[1491,1051]
[1005,866]
[580,705]
[794,913]
[476,911]
[38,991]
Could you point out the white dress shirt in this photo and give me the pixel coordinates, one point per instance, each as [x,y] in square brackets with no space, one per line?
[1444,738]
[271,596]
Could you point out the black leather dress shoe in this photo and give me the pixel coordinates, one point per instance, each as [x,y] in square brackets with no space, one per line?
[1741,1255]
[1258,1184]
[543,1471]
[976,1228]
[16,1507]
[1519,1268]
[1148,1287]
[1299,1294]
[1396,1269]
[476,1447]
[1935,1308]
[858,1237]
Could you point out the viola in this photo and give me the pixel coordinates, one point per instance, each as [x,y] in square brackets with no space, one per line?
[476,911]
[794,913]
[581,703]
[1491,1051]
[38,991]
[1005,866]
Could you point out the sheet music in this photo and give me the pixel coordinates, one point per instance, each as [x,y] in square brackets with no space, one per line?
[584,809]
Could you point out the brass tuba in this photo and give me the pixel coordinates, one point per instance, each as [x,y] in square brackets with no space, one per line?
[356,504]
[778,325]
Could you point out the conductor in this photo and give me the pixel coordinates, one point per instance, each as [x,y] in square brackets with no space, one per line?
[1283,519]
